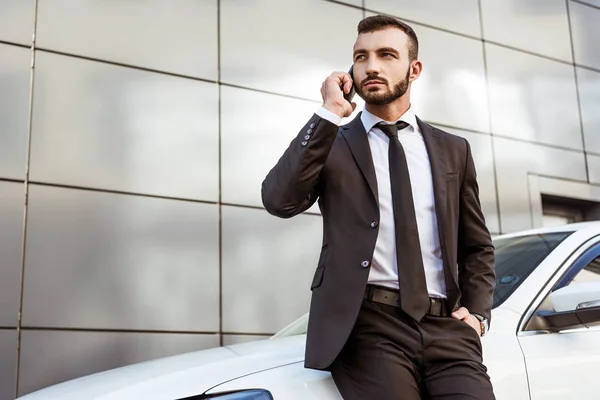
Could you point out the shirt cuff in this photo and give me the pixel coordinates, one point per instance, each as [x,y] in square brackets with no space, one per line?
[478,316]
[329,116]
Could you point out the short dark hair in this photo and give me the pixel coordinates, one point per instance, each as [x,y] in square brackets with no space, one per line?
[380,22]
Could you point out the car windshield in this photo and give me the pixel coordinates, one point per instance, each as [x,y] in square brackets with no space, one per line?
[515,259]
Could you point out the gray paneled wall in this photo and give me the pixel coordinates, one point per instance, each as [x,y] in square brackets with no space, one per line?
[142,134]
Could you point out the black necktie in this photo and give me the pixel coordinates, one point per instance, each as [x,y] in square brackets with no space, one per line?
[414,297]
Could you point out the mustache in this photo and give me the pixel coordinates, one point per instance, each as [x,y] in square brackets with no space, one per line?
[373,79]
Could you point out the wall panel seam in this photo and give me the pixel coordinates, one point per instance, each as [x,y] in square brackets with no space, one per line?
[587,170]
[26,201]
[489,106]
[220,148]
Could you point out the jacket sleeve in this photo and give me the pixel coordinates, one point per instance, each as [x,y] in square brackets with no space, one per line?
[476,271]
[292,186]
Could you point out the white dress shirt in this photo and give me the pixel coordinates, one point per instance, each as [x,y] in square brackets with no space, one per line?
[384,269]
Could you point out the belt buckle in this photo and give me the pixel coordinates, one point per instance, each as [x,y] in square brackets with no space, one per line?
[435,306]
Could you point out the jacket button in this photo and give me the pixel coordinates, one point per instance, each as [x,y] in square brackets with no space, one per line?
[365,264]
[304,143]
[312,125]
[306,137]
[374,224]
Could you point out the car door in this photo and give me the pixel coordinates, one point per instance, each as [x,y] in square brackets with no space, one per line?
[561,340]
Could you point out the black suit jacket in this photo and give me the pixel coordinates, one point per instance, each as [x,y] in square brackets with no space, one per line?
[335,167]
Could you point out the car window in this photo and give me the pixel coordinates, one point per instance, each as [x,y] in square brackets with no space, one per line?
[591,273]
[576,289]
[517,257]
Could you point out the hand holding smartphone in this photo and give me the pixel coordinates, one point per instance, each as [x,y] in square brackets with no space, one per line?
[330,91]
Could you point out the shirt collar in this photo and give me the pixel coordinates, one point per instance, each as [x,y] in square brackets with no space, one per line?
[370,120]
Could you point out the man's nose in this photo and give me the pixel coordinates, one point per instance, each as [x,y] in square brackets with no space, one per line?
[372,66]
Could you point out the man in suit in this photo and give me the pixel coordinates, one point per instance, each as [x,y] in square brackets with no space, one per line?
[403,288]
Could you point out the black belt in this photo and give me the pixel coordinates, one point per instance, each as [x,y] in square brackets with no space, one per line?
[391,297]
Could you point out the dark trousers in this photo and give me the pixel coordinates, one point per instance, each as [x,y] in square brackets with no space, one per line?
[390,356]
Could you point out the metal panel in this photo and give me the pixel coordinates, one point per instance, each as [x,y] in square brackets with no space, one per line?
[514,161]
[177,36]
[136,262]
[12,203]
[533,98]
[8,358]
[229,340]
[585,29]
[76,354]
[595,3]
[250,149]
[540,27]
[594,168]
[14,109]
[460,16]
[287,46]
[268,264]
[589,97]
[16,21]
[103,126]
[451,89]
[483,156]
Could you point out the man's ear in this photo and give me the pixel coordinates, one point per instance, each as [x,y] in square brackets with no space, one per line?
[416,67]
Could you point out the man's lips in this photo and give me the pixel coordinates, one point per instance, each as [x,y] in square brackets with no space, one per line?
[371,83]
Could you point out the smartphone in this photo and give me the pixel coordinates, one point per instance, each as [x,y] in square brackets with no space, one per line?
[352,91]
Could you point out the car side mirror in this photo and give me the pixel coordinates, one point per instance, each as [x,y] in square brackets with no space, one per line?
[574,306]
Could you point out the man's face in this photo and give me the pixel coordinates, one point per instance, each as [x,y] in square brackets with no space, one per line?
[381,65]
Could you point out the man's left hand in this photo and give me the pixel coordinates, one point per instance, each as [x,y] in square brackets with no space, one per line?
[464,315]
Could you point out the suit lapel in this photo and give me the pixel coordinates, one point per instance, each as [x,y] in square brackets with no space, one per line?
[434,142]
[356,137]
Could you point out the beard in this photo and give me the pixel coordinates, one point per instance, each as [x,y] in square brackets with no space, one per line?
[389,95]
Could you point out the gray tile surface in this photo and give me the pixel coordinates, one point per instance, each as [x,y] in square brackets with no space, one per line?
[111,261]
[595,3]
[585,27]
[8,358]
[75,354]
[533,98]
[16,21]
[286,46]
[460,16]
[126,129]
[451,89]
[268,264]
[251,149]
[14,109]
[541,27]
[589,97]
[177,36]
[594,168]
[12,203]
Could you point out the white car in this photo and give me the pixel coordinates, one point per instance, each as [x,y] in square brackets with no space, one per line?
[544,340]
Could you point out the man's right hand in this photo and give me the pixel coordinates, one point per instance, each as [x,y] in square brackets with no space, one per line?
[333,97]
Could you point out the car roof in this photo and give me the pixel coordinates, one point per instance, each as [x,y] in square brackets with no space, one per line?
[592,228]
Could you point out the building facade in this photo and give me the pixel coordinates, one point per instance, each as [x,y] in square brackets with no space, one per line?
[134,137]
